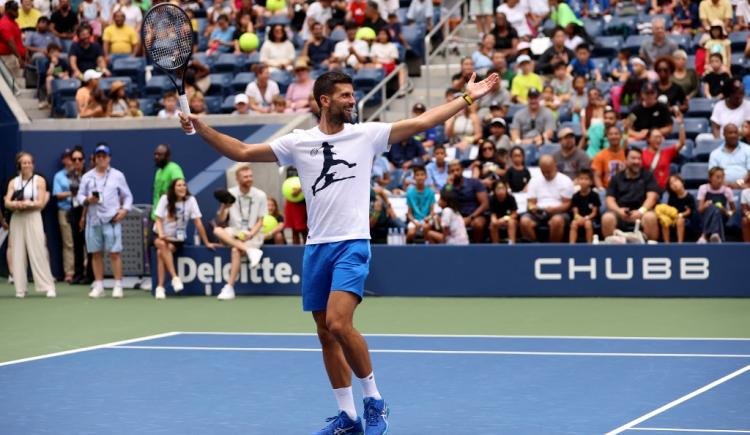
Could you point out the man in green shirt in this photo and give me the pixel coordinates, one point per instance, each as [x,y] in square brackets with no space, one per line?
[167,171]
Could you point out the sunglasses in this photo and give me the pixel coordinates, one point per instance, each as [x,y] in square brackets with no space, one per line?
[77,159]
[487,149]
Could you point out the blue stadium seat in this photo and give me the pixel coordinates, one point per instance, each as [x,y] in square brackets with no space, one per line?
[602,64]
[738,64]
[401,14]
[368,78]
[338,35]
[683,41]
[228,105]
[738,41]
[213,104]
[694,174]
[241,80]
[414,36]
[607,46]
[693,127]
[746,84]
[70,109]
[248,60]
[147,106]
[641,144]
[604,87]
[226,63]
[532,155]
[686,153]
[62,90]
[512,109]
[204,59]
[594,28]
[105,84]
[704,147]
[221,84]
[133,67]
[278,19]
[157,86]
[549,149]
[283,79]
[576,127]
[700,107]
[634,43]
[621,25]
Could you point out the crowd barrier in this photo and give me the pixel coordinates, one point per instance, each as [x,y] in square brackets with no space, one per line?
[715,270]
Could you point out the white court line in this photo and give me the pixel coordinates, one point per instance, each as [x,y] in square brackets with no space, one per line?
[85,349]
[559,337]
[672,429]
[679,401]
[436,352]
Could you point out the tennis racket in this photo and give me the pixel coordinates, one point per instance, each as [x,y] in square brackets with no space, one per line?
[167,36]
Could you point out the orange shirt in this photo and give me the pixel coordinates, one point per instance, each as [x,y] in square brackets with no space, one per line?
[608,163]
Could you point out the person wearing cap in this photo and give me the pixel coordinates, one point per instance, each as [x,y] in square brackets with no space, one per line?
[647,115]
[534,124]
[659,45]
[525,80]
[298,93]
[63,193]
[635,81]
[12,50]
[166,172]
[105,193]
[557,53]
[85,93]
[569,158]
[733,109]
[241,105]
[515,12]
[87,55]
[549,199]
[499,134]
[117,104]
[711,10]
[120,38]
[716,42]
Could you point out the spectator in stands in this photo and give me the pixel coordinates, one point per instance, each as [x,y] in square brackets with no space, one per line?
[662,7]
[517,176]
[57,68]
[117,104]
[278,51]
[609,161]
[488,167]
[420,12]
[525,81]
[402,156]
[716,206]
[679,211]
[243,219]
[437,170]
[452,228]
[276,235]
[575,35]
[318,12]
[711,10]
[221,7]
[105,192]
[278,105]
[374,19]
[119,38]
[506,39]
[134,109]
[515,12]
[64,21]
[595,133]
[197,78]
[582,65]
[562,82]
[297,95]
[534,124]
[382,216]
[133,13]
[482,12]
[578,99]
[745,132]
[61,189]
[556,54]
[562,15]
[745,201]
[28,16]
[261,90]
[504,213]
[649,114]
[632,195]
[683,76]
[622,68]
[549,199]
[243,24]
[170,111]
[472,200]
[241,105]
[585,207]
[96,107]
[464,129]
[12,50]
[716,42]
[197,104]
[420,199]
[664,67]
[221,39]
[482,57]
[500,65]
[85,92]
[686,17]
[498,97]
[499,134]
[37,41]
[166,173]
[635,82]
[569,158]
[733,109]
[733,157]
[89,12]
[659,45]
[87,55]
[318,48]
[384,54]
[172,213]
[715,78]
[658,158]
[25,197]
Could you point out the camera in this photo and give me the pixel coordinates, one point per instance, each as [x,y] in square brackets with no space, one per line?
[17,195]
[95,194]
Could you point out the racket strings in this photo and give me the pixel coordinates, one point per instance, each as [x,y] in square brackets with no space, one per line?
[168,36]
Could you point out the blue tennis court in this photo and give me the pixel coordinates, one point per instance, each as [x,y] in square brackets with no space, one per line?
[216,383]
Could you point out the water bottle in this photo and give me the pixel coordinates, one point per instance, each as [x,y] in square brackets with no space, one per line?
[401,236]
[390,236]
[196,238]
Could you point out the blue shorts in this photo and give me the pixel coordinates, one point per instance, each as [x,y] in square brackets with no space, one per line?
[338,266]
[103,237]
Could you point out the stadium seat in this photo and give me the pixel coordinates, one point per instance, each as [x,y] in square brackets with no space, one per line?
[241,80]
[634,43]
[283,79]
[63,89]
[683,41]
[693,127]
[576,127]
[704,147]
[70,109]
[738,41]
[401,14]
[157,86]
[147,106]
[602,64]
[640,144]
[414,36]
[202,23]
[105,84]
[278,19]
[368,78]
[746,84]
[228,105]
[607,46]
[221,84]
[594,28]
[738,64]
[694,174]
[338,35]
[700,107]
[213,104]
[549,149]
[686,153]
[621,25]
[226,63]
[133,67]
[204,59]
[512,109]
[248,60]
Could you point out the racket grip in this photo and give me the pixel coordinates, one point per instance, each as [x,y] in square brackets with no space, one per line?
[185,107]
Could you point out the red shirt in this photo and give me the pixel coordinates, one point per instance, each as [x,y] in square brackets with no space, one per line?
[661,172]
[9,31]
[357,9]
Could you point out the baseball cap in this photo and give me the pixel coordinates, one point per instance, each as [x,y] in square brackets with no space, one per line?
[419,107]
[648,88]
[637,60]
[495,104]
[533,93]
[241,98]
[565,131]
[523,45]
[91,74]
[102,148]
[498,121]
[523,58]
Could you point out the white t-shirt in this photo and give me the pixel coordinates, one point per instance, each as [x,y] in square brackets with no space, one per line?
[384,51]
[247,208]
[537,7]
[163,114]
[420,11]
[272,89]
[722,115]
[133,14]
[745,197]
[452,220]
[516,17]
[185,211]
[317,12]
[550,193]
[335,173]
[341,50]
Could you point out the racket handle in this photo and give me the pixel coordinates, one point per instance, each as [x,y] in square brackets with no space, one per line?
[185,107]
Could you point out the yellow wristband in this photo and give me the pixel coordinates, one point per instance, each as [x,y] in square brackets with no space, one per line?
[643,210]
[468,99]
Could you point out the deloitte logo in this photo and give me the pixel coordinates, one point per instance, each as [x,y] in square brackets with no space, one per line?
[217,272]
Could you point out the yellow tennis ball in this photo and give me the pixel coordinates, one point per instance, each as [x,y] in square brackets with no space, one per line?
[365,33]
[249,42]
[242,236]
[288,188]
[275,5]
[269,224]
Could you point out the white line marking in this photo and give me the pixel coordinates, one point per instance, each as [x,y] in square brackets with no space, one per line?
[672,429]
[438,352]
[679,401]
[85,349]
[559,337]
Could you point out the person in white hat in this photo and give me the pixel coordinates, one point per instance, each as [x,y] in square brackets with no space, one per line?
[241,104]
[525,80]
[90,85]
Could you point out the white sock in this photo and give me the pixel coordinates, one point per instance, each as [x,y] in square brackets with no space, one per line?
[118,283]
[345,400]
[99,285]
[369,389]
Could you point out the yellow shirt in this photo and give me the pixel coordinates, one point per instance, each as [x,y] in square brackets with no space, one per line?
[522,83]
[121,39]
[709,11]
[28,20]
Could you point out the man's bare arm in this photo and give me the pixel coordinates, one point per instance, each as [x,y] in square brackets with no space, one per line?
[227,145]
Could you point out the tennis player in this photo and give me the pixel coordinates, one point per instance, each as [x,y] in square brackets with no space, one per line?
[334,161]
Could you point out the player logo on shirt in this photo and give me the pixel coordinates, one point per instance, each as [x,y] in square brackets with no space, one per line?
[328,163]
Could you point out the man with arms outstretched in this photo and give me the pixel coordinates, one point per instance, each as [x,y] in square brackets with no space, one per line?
[337,255]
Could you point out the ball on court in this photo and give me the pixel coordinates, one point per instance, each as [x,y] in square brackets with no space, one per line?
[365,33]
[275,5]
[289,186]
[269,224]
[249,42]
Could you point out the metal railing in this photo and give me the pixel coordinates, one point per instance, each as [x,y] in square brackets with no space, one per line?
[429,53]
[385,102]
[8,77]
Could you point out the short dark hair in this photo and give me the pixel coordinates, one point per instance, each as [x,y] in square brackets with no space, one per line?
[350,25]
[326,84]
[633,149]
[449,196]
[438,147]
[42,19]
[418,168]
[52,46]
[582,46]
[721,58]
[586,172]
[714,170]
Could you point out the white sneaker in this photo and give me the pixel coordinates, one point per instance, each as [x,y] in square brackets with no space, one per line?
[177,284]
[10,279]
[227,293]
[96,292]
[117,292]
[20,295]
[160,293]
[51,294]
[146,284]
[253,256]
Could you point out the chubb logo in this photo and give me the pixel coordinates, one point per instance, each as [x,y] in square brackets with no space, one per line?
[651,269]
[267,272]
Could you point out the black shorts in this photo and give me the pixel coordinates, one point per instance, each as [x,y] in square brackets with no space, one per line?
[544,219]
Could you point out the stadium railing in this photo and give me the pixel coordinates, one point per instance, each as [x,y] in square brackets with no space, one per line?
[378,94]
[431,53]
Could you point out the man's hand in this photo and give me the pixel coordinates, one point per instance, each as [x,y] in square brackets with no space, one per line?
[92,199]
[635,215]
[119,216]
[478,90]
[188,123]
[467,220]
[623,213]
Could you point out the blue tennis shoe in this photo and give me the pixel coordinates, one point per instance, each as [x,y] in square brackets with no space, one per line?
[376,416]
[342,425]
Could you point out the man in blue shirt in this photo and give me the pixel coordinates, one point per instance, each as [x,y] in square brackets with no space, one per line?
[582,65]
[473,200]
[437,170]
[733,157]
[221,40]
[36,42]
[64,196]
[318,48]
